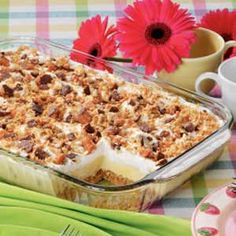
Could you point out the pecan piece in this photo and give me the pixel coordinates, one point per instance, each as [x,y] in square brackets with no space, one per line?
[4,75]
[34,61]
[60,159]
[45,79]
[98,134]
[160,156]
[145,128]
[177,108]
[113,130]
[66,89]
[89,129]
[2,133]
[161,162]
[140,97]
[115,96]
[119,122]
[145,152]
[71,156]
[3,126]
[174,109]
[116,146]
[9,135]
[87,90]
[40,153]
[27,144]
[115,86]
[24,56]
[37,108]
[4,61]
[101,111]
[132,102]
[18,87]
[170,119]
[8,91]
[189,127]
[82,117]
[71,136]
[162,110]
[51,110]
[88,144]
[114,109]
[34,73]
[32,123]
[155,146]
[4,113]
[68,118]
[164,133]
[61,75]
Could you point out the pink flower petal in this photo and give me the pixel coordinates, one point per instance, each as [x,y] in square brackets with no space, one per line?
[134,42]
[92,32]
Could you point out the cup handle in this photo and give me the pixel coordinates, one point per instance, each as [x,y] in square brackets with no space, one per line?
[229,44]
[207,76]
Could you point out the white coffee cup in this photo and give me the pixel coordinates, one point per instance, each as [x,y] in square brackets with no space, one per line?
[226,79]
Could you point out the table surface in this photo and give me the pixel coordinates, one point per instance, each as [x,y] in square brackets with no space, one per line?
[58,20]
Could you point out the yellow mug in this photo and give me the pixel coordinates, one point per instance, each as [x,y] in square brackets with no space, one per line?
[206,55]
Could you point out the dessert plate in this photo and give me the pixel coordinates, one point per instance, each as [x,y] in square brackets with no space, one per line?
[216,214]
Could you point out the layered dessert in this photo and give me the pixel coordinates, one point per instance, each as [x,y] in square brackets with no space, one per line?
[92,125]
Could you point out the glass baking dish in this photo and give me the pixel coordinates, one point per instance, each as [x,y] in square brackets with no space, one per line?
[136,196]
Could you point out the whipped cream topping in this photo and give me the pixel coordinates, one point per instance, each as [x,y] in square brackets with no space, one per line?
[79,120]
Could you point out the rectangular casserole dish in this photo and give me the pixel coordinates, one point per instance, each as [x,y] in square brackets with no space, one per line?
[135,196]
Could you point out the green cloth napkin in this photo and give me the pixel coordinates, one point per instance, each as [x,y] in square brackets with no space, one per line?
[23,210]
[15,230]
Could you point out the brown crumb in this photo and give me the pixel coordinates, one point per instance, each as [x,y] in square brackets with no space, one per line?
[88,144]
[113,130]
[71,136]
[8,91]
[4,61]
[32,123]
[145,128]
[114,109]
[89,129]
[87,90]
[66,89]
[37,108]
[82,117]
[189,127]
[71,156]
[27,144]
[40,153]
[60,159]
[45,79]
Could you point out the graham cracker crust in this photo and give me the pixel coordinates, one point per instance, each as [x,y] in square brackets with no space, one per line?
[108,176]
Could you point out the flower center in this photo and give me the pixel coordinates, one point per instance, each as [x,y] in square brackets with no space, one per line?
[96,50]
[227,37]
[157,33]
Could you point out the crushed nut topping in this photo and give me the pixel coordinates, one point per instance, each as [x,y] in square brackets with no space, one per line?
[37,108]
[189,127]
[45,79]
[114,109]
[89,129]
[40,153]
[82,117]
[56,111]
[87,90]
[7,90]
[66,89]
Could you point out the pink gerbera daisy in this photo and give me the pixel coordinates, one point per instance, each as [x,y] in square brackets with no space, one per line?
[156,34]
[95,39]
[222,22]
